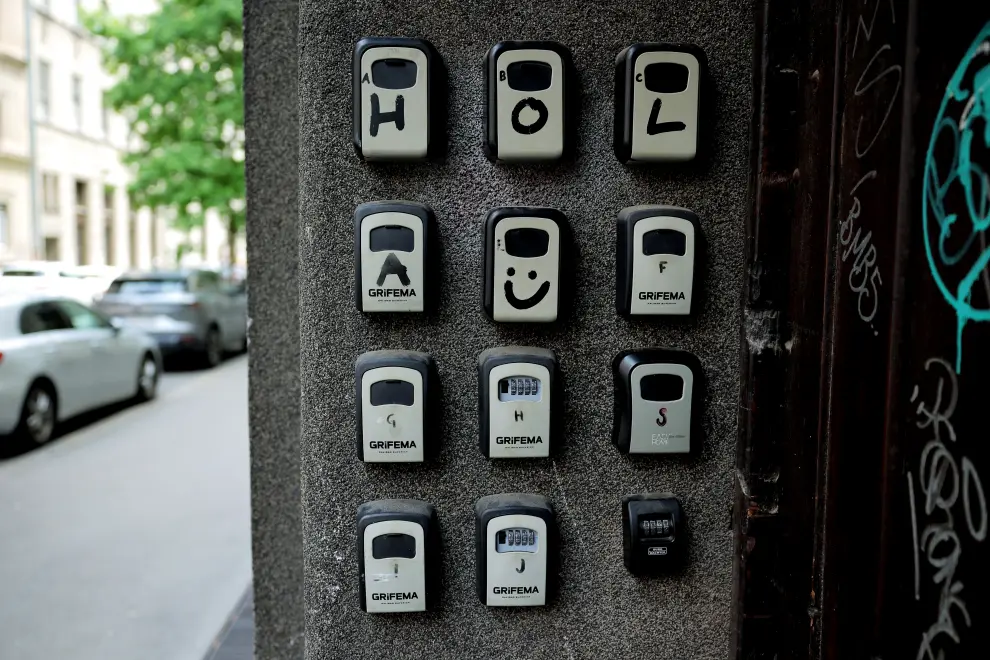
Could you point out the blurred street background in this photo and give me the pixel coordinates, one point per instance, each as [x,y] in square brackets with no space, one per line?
[124,467]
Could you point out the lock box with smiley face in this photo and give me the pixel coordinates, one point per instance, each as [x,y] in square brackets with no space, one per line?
[525,259]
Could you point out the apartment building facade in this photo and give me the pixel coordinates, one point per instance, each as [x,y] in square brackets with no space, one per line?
[82,213]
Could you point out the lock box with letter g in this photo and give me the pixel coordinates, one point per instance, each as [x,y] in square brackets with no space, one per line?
[658,102]
[530,101]
[400,97]
[527,261]
[658,397]
[659,252]
[653,533]
[398,400]
[516,539]
[398,545]
[395,268]
[518,399]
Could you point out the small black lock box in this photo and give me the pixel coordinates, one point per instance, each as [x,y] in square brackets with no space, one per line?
[653,534]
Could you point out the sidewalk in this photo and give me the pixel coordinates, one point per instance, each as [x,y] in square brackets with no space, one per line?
[235,641]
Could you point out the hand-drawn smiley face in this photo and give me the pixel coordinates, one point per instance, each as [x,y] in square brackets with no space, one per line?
[525,303]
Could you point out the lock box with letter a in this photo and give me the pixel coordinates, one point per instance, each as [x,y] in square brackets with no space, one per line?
[518,394]
[516,539]
[398,399]
[658,102]
[394,257]
[530,101]
[398,544]
[659,252]
[653,535]
[658,397]
[400,97]
[526,261]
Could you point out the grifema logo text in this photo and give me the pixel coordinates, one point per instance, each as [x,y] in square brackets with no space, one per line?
[392,293]
[661,295]
[506,591]
[519,440]
[392,444]
[411,595]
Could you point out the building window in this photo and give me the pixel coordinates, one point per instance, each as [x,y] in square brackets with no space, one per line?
[52,250]
[49,192]
[4,225]
[77,99]
[82,223]
[44,89]
[108,224]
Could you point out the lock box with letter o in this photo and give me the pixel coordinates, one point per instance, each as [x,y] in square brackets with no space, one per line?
[518,394]
[653,534]
[398,544]
[530,104]
[400,98]
[658,398]
[659,252]
[526,264]
[516,538]
[398,399]
[394,257]
[658,102]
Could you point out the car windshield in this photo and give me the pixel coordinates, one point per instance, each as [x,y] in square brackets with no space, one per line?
[149,285]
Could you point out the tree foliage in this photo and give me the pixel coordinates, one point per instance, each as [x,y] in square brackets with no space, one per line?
[179,74]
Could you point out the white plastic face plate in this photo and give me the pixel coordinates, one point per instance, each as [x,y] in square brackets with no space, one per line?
[526,270]
[394,122]
[517,576]
[392,432]
[530,124]
[662,279]
[660,426]
[665,122]
[394,583]
[392,275]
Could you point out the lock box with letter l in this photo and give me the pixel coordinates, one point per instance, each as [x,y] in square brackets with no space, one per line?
[395,247]
[659,102]
[400,99]
[659,252]
[517,547]
[398,545]
[518,399]
[527,260]
[658,398]
[653,533]
[530,101]
[398,399]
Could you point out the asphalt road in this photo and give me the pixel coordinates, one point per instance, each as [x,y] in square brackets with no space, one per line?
[129,536]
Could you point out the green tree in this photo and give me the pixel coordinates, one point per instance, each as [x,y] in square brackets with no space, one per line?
[179,74]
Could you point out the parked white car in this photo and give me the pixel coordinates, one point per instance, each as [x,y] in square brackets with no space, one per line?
[52,278]
[59,358]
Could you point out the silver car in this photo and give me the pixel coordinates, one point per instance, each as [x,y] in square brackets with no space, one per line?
[59,358]
[186,311]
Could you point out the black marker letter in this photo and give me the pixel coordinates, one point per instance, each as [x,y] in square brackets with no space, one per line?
[653,126]
[378,117]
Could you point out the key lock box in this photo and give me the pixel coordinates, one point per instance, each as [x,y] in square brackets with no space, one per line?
[526,264]
[653,533]
[395,247]
[517,546]
[518,399]
[659,252]
[658,102]
[658,398]
[400,96]
[398,545]
[530,101]
[398,399]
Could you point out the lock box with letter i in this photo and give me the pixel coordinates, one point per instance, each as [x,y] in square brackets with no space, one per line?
[518,399]
[400,99]
[527,261]
[653,534]
[398,544]
[398,399]
[530,101]
[659,253]
[395,266]
[517,546]
[658,398]
[658,102]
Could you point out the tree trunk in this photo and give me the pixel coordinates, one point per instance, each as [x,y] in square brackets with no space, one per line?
[232,240]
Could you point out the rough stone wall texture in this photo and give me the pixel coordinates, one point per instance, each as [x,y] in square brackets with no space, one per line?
[602,611]
[273,212]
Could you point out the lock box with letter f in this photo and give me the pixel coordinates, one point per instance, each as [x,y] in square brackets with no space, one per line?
[400,99]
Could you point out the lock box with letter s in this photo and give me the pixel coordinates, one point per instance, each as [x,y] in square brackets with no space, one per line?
[530,101]
[398,402]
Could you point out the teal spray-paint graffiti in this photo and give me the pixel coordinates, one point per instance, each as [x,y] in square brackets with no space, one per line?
[956,196]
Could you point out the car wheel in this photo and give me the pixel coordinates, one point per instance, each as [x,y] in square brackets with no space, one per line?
[213,352]
[38,415]
[147,379]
